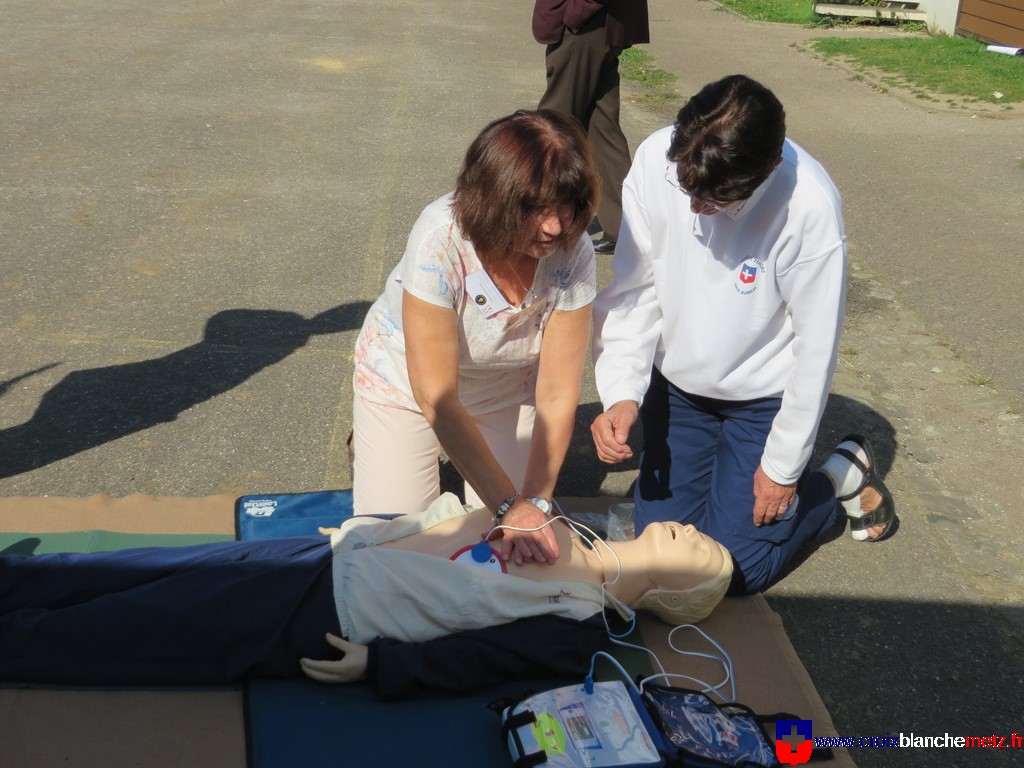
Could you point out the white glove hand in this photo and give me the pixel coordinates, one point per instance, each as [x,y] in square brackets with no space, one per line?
[348,669]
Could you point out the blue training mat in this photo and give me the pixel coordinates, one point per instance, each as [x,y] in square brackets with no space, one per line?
[303,723]
[290,514]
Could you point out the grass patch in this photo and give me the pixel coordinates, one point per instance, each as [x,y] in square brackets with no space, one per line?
[953,66]
[979,380]
[637,66]
[782,11]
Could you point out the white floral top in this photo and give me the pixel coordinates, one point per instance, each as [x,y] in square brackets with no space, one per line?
[499,346]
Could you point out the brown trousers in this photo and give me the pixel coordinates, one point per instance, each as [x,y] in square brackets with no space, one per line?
[583,80]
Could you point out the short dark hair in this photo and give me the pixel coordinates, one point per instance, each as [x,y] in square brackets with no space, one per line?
[727,139]
[517,166]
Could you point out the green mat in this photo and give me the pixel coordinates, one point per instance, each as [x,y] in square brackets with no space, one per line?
[97,541]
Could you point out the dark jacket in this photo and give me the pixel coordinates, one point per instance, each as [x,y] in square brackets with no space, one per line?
[626,21]
[539,646]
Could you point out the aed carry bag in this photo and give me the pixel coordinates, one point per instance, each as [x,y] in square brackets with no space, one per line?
[584,727]
[699,733]
[280,515]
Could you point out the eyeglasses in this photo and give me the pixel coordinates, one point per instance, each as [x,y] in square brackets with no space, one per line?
[707,206]
[699,204]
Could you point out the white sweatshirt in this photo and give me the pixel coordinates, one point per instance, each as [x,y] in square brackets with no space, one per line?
[728,306]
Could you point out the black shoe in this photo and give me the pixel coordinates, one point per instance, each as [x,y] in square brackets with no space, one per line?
[604,245]
[595,227]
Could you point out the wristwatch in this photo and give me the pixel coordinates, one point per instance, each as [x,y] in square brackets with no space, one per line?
[544,505]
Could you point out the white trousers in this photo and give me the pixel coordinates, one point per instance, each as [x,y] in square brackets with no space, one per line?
[396,463]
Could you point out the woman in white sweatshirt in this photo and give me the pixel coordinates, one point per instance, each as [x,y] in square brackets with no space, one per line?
[720,331]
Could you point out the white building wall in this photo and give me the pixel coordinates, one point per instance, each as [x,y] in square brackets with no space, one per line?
[941,15]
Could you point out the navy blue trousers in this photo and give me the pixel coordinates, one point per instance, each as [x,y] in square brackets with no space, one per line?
[697,466]
[204,614]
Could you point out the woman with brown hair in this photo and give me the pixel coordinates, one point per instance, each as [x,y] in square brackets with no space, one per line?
[478,342]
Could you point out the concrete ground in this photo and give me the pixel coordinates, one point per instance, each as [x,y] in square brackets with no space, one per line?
[200,200]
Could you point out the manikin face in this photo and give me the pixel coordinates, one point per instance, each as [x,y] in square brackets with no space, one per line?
[680,556]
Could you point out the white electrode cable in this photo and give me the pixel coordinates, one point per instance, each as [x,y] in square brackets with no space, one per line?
[725,660]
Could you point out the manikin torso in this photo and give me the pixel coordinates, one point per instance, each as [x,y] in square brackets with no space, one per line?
[575,562]
[380,592]
[669,555]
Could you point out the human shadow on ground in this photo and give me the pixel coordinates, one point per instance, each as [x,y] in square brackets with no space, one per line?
[892,666]
[95,406]
[584,475]
[885,665]
[844,416]
[882,665]
[5,386]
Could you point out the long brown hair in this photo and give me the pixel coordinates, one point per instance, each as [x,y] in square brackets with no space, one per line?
[518,166]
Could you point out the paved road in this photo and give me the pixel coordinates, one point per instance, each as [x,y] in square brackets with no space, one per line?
[200,199]
[934,197]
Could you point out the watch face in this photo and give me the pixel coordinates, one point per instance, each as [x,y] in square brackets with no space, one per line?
[542,504]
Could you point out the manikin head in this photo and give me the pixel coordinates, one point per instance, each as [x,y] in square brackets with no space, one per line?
[690,572]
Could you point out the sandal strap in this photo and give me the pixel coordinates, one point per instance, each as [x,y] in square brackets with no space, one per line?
[853,458]
[881,515]
[865,471]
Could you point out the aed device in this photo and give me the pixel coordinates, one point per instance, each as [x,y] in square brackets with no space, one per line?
[582,726]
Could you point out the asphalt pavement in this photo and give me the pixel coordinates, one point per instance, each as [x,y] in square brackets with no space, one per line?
[201,199]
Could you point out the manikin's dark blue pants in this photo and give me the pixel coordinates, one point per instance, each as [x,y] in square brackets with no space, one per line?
[205,614]
[697,466]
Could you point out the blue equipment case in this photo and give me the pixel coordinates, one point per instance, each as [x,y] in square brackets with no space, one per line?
[281,515]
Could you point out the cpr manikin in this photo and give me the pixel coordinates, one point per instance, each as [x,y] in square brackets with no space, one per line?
[413,616]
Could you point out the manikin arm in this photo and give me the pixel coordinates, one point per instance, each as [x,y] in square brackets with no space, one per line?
[350,668]
[542,646]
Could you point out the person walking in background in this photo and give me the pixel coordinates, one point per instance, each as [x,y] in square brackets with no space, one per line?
[720,332]
[584,39]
